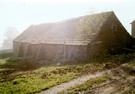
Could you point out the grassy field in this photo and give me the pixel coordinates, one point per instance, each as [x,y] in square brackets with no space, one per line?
[6,53]
[16,80]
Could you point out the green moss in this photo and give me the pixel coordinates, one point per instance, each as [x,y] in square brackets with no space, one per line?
[34,82]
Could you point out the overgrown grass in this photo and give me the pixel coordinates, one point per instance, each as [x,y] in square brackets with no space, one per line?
[2,62]
[88,84]
[34,82]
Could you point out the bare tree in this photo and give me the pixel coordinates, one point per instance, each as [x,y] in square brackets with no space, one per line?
[89,25]
[10,34]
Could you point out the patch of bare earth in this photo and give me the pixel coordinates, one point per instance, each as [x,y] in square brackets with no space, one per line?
[120,83]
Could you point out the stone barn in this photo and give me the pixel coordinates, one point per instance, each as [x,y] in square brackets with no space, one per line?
[59,41]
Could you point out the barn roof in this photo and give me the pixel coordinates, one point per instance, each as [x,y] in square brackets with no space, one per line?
[132,22]
[58,32]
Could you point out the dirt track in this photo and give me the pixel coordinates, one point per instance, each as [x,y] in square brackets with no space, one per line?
[73,83]
[120,83]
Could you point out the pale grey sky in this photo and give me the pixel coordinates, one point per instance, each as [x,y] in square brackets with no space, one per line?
[22,13]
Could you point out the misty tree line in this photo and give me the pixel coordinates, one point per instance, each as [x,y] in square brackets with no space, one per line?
[10,34]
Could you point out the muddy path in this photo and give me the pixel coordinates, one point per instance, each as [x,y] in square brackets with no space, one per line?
[120,83]
[73,83]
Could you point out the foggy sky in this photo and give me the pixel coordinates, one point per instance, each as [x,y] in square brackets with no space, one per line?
[22,13]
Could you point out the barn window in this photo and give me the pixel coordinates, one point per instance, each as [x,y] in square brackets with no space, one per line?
[114,27]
